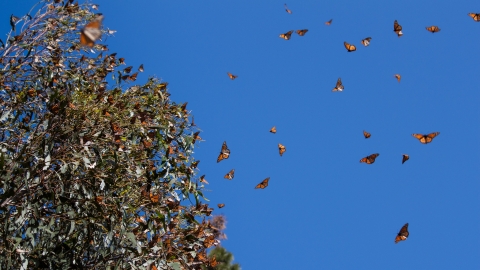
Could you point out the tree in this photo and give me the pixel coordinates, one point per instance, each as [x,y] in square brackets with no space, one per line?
[94,173]
[223,259]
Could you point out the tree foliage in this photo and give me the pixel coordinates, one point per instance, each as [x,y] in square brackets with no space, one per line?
[223,259]
[94,173]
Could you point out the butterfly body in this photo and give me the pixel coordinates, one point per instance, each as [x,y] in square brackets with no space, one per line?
[426,138]
[433,29]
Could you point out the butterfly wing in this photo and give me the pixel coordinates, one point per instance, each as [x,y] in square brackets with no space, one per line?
[91,32]
[329,22]
[420,137]
[273,130]
[263,184]
[287,10]
[403,234]
[338,86]
[405,157]
[349,47]
[232,77]
[398,77]
[397,28]
[224,152]
[302,32]
[281,149]
[230,175]
[366,134]
[221,205]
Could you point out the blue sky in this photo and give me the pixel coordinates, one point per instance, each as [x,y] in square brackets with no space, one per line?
[323,209]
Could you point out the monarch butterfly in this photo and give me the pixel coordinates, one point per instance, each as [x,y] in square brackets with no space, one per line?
[349,47]
[338,86]
[287,10]
[302,32]
[196,137]
[405,158]
[140,68]
[221,205]
[91,32]
[287,35]
[397,28]
[263,184]
[329,22]
[224,153]
[230,175]
[433,29]
[233,77]
[273,130]
[398,77]
[366,134]
[281,149]
[154,197]
[427,138]
[203,180]
[370,159]
[402,234]
[366,41]
[475,16]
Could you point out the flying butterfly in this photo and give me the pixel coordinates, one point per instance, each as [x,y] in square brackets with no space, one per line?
[203,180]
[366,41]
[349,47]
[263,184]
[273,130]
[339,86]
[91,32]
[433,29]
[287,10]
[425,138]
[281,149]
[302,32]
[221,205]
[397,28]
[230,175]
[329,22]
[405,157]
[232,77]
[140,68]
[287,35]
[402,234]
[398,77]
[475,16]
[369,159]
[366,134]
[224,153]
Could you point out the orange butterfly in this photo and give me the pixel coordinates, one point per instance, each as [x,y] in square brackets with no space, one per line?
[91,32]
[221,205]
[233,77]
[273,130]
[475,16]
[287,10]
[403,234]
[224,153]
[397,28]
[366,134]
[230,175]
[329,22]
[140,68]
[203,180]
[433,29]
[302,32]
[349,47]
[398,77]
[338,86]
[427,138]
[196,137]
[281,149]
[263,184]
[287,35]
[366,41]
[369,159]
[405,158]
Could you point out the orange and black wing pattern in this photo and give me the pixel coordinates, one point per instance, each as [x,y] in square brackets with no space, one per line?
[287,10]
[397,28]
[231,76]
[426,138]
[287,35]
[403,234]
[263,184]
[432,29]
[281,149]
[398,77]
[475,16]
[224,153]
[366,41]
[369,159]
[329,22]
[230,175]
[339,86]
[366,134]
[221,205]
[273,130]
[349,47]
[302,32]
[91,32]
[405,157]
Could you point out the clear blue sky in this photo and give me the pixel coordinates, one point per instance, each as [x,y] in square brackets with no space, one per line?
[323,209]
